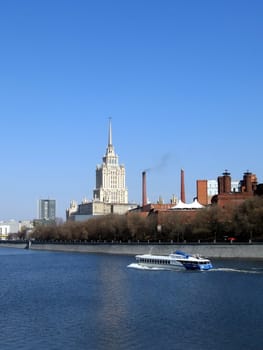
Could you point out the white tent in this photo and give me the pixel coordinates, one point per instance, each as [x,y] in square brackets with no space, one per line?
[183,206]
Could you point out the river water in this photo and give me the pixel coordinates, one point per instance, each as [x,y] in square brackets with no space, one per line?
[71,301]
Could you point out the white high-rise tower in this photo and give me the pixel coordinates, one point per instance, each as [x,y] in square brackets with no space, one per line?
[110,177]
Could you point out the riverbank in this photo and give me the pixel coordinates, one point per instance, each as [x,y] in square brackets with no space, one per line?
[214,250]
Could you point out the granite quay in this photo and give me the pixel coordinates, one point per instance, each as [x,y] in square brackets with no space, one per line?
[210,250]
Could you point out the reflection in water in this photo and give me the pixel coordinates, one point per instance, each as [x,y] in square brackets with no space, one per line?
[112,295]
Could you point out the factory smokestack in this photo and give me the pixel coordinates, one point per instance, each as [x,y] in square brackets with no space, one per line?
[144,193]
[182,186]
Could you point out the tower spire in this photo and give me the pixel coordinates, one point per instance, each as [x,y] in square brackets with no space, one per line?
[110,133]
[110,148]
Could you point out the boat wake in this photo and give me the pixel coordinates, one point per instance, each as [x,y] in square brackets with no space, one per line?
[140,267]
[219,269]
[225,269]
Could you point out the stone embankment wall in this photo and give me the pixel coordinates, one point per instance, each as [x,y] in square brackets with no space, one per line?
[22,245]
[234,250]
[228,250]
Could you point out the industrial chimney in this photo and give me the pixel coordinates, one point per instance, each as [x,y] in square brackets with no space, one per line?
[248,181]
[144,194]
[182,186]
[224,183]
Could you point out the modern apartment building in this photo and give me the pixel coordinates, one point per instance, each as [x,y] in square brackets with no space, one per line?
[47,209]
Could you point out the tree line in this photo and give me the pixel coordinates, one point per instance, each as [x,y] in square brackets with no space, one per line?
[243,223]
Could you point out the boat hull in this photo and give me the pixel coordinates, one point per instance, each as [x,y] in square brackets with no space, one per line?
[200,267]
[177,266]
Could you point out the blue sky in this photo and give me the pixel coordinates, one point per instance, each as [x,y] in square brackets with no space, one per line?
[182,81]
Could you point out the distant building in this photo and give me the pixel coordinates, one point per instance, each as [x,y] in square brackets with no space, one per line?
[222,192]
[11,227]
[47,209]
[7,228]
[110,195]
[110,177]
[207,189]
[247,188]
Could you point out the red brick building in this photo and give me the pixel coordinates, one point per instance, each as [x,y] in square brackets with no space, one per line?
[248,188]
[201,191]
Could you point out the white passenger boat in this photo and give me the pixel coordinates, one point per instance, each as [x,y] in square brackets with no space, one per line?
[176,260]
